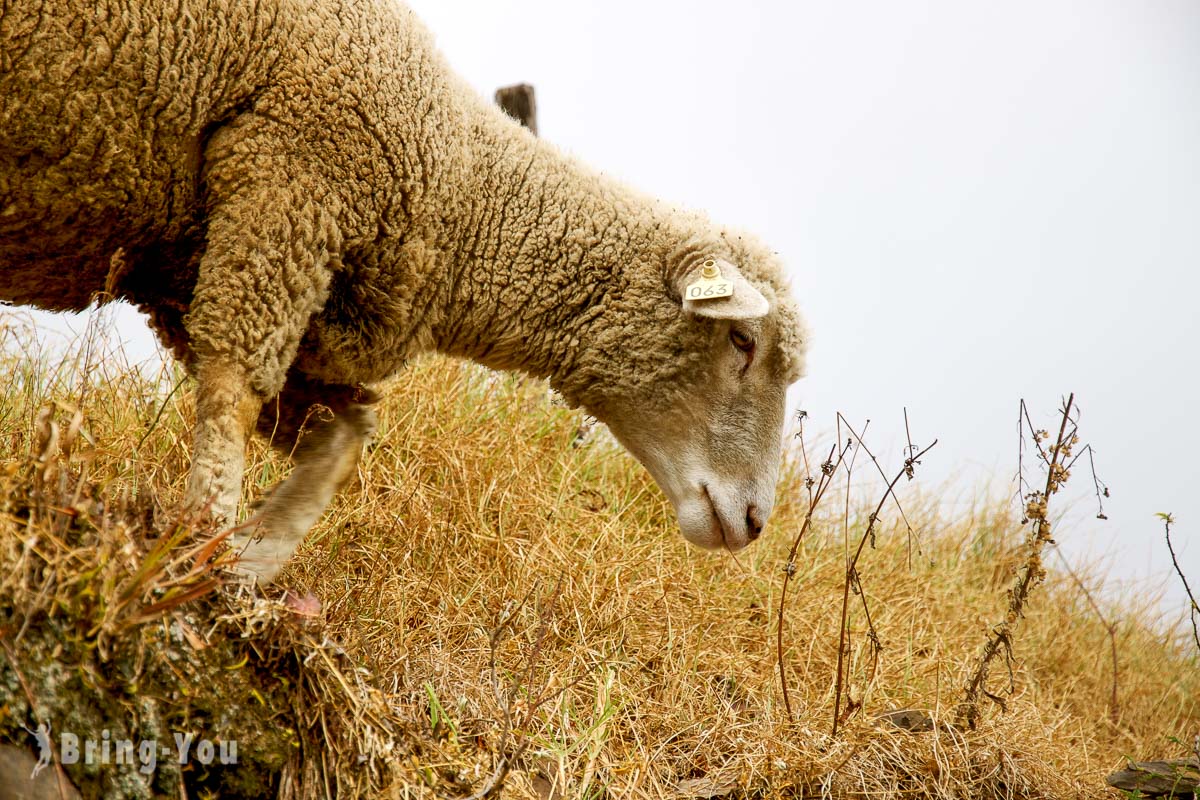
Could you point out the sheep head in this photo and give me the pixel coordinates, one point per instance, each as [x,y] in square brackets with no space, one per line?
[695,387]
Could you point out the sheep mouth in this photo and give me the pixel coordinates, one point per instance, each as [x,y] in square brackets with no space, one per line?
[718,524]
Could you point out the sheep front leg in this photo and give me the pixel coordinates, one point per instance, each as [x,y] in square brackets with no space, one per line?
[270,238]
[325,459]
[226,409]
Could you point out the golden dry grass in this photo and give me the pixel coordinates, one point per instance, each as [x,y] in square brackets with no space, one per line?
[476,513]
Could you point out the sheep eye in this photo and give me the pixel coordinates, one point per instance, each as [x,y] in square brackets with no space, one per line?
[741,341]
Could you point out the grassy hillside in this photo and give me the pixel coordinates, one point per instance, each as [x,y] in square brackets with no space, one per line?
[497,591]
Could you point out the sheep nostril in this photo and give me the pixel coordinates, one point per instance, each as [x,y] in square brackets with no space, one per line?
[754,525]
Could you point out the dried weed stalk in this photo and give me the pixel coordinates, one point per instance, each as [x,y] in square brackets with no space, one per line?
[1114,707]
[853,581]
[518,700]
[1032,572]
[1194,609]
[845,449]
[828,469]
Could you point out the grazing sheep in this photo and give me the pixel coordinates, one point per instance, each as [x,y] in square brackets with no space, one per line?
[302,196]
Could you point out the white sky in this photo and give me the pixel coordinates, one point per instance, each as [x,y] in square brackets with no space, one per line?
[978,202]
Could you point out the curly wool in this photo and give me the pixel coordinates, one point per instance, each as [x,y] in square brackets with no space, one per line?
[151,149]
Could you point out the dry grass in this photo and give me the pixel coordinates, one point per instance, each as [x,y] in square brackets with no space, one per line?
[512,591]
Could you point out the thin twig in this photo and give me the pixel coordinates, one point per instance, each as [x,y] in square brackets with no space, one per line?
[158,415]
[1194,611]
[1114,711]
[801,415]
[1037,440]
[909,452]
[1021,484]
[536,700]
[910,461]
[1101,489]
[1099,485]
[852,575]
[828,470]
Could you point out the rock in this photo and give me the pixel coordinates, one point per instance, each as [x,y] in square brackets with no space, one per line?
[907,719]
[16,767]
[1179,778]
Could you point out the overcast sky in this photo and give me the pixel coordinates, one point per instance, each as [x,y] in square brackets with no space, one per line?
[978,202]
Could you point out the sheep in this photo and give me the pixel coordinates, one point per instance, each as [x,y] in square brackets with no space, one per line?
[301,196]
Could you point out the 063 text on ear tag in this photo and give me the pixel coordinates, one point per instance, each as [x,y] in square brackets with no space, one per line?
[710,285]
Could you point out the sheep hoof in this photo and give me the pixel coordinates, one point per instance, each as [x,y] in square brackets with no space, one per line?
[261,551]
[308,606]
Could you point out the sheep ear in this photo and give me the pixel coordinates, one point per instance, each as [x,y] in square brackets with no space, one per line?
[723,294]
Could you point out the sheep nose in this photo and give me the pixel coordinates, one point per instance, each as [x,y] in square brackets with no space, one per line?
[754,523]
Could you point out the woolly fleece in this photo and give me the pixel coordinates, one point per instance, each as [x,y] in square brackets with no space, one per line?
[415,214]
[301,195]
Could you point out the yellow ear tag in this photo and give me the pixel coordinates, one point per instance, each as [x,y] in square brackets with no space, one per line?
[710,285]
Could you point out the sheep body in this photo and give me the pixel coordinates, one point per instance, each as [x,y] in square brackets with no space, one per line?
[302,195]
